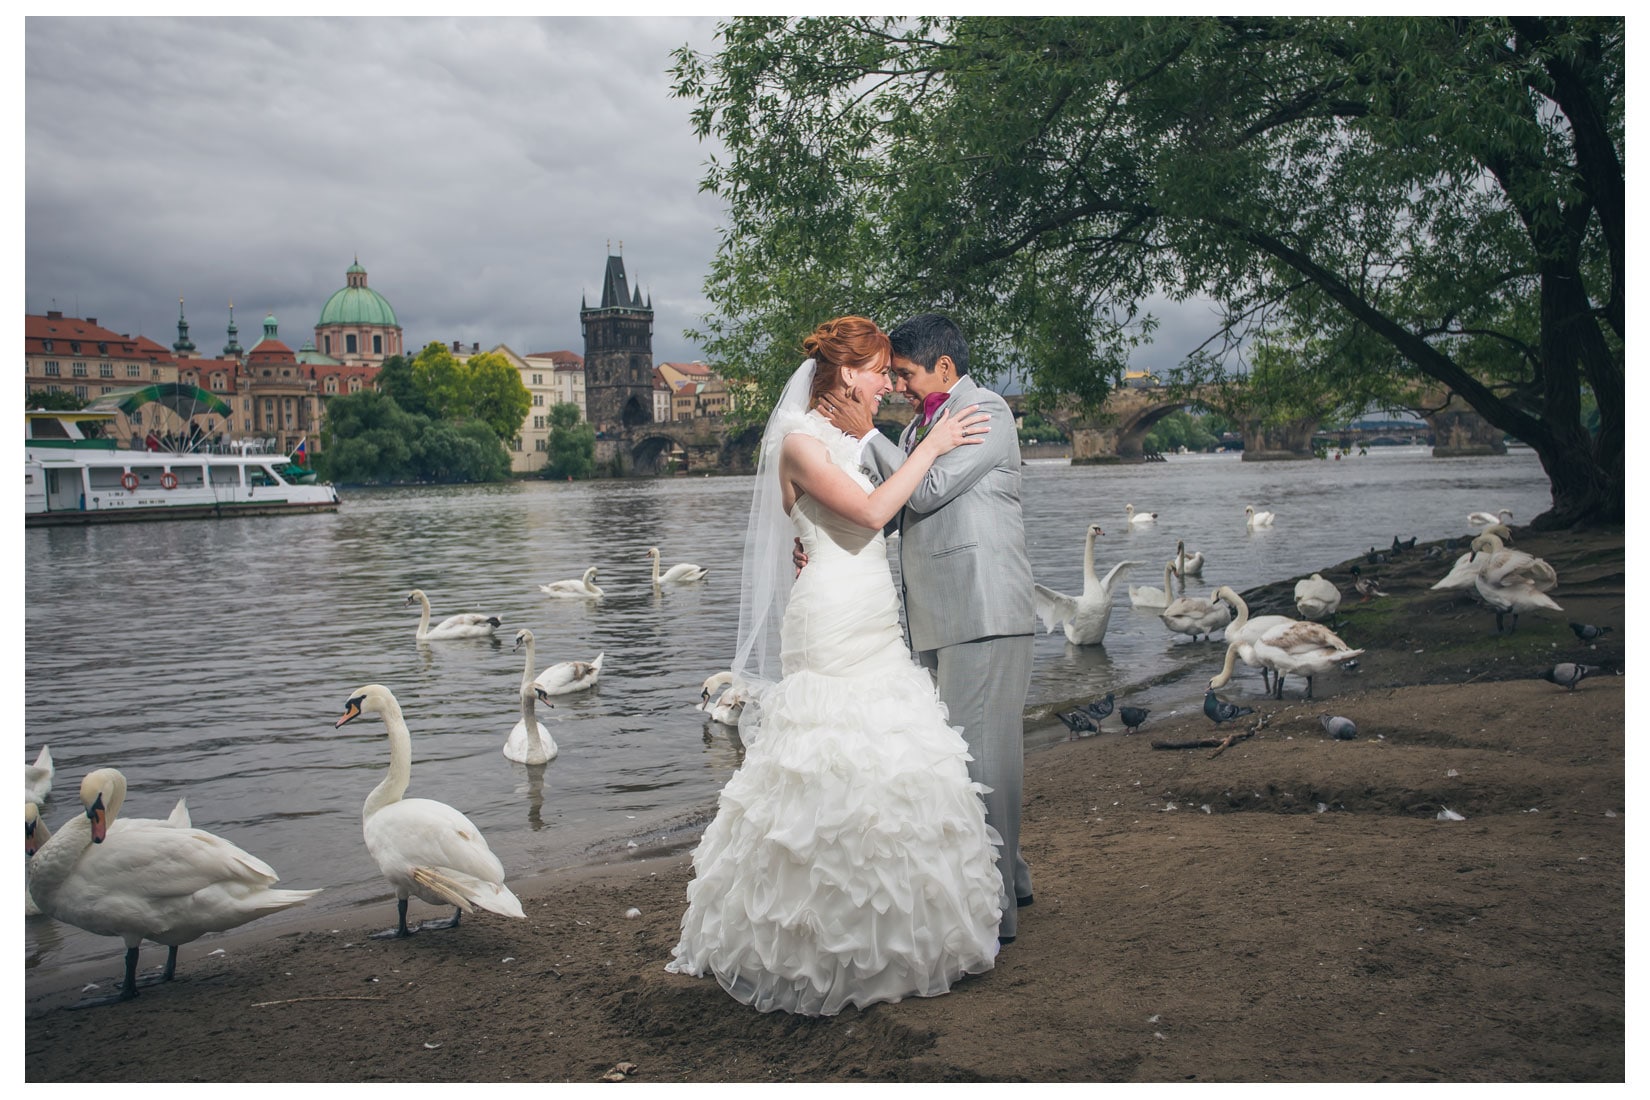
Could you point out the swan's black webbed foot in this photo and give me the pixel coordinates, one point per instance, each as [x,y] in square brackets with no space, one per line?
[400,931]
[450,922]
[128,987]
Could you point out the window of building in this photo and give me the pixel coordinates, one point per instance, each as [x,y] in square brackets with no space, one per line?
[78,370]
[538,379]
[74,347]
[332,384]
[45,345]
[133,371]
[538,422]
[80,391]
[327,340]
[154,372]
[106,389]
[377,344]
[105,370]
[355,385]
[102,348]
[538,399]
[349,344]
[52,370]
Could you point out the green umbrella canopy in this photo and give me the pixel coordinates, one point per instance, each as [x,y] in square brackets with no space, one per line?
[185,400]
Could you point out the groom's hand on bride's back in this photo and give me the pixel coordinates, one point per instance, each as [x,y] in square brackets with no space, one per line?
[798,558]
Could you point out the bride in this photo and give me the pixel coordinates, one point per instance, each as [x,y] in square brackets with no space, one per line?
[849,861]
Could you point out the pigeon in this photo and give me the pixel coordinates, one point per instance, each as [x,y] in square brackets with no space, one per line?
[1219,710]
[1376,557]
[1101,709]
[1586,632]
[1078,723]
[1132,717]
[1569,675]
[1341,729]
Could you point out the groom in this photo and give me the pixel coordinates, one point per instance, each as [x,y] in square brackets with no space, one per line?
[964,570]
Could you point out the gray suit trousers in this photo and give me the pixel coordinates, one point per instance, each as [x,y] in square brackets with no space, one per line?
[983,684]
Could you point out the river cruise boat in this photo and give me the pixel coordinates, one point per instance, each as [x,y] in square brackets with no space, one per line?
[74,473]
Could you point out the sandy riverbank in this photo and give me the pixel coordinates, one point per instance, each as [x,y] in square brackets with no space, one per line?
[1289,910]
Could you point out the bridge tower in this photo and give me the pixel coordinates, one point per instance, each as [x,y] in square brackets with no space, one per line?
[618,354]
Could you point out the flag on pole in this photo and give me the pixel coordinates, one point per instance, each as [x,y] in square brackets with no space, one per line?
[300,453]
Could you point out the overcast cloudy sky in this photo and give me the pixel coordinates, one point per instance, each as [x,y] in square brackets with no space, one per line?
[478,168]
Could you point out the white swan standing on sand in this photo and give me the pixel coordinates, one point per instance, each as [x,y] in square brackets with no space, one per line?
[148,879]
[1305,649]
[529,742]
[426,849]
[468,625]
[1511,581]
[37,777]
[682,573]
[1147,596]
[1242,631]
[36,833]
[1139,517]
[1316,598]
[1255,519]
[584,589]
[1084,617]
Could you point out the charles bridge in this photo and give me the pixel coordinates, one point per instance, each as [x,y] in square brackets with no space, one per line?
[1116,436]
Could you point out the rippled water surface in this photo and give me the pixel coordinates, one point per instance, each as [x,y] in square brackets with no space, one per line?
[210,659]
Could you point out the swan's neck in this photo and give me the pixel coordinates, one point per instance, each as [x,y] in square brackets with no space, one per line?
[395,783]
[55,861]
[655,558]
[1241,619]
[424,615]
[1090,581]
[527,675]
[1225,674]
[1168,571]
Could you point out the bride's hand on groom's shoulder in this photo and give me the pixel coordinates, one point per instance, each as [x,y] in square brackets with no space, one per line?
[846,412]
[950,432]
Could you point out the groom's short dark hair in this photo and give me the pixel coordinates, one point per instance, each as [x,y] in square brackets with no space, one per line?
[927,336]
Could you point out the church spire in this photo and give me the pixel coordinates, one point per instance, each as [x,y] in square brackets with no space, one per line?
[184,347]
[232,350]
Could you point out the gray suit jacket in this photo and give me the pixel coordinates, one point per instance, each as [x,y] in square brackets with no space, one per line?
[962,552]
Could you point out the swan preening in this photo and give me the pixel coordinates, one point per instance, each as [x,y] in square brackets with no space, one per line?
[145,879]
[529,742]
[682,573]
[1084,617]
[1292,646]
[1139,517]
[729,702]
[1147,596]
[1480,519]
[565,676]
[1242,631]
[37,777]
[468,625]
[1196,616]
[1257,519]
[1316,598]
[426,849]
[584,589]
[1511,581]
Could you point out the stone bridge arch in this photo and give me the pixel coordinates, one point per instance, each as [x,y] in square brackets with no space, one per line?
[1130,413]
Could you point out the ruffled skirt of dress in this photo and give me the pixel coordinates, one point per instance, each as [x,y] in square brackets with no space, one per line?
[849,861]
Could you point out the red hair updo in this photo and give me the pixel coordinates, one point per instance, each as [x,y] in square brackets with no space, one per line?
[844,342]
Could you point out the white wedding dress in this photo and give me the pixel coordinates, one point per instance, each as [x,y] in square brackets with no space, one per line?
[849,861]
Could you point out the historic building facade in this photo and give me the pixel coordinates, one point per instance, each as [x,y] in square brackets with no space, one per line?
[618,354]
[357,325]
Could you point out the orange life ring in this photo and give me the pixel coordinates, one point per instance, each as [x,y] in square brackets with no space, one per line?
[168,480]
[129,480]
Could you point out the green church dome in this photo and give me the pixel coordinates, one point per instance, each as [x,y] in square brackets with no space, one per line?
[357,303]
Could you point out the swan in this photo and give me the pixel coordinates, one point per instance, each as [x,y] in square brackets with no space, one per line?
[682,573]
[1462,574]
[1316,598]
[1139,517]
[584,589]
[1302,648]
[37,777]
[1147,596]
[1242,631]
[1196,616]
[426,849]
[1084,617]
[1511,581]
[1187,564]
[728,704]
[468,625]
[1257,519]
[565,676]
[1481,519]
[148,879]
[522,746]
[36,833]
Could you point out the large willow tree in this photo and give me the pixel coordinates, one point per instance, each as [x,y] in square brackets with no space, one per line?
[1439,203]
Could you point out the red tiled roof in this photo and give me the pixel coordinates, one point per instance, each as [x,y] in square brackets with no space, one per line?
[38,328]
[271,351]
[563,359]
[689,368]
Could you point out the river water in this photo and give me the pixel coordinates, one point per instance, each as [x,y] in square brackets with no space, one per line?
[210,659]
